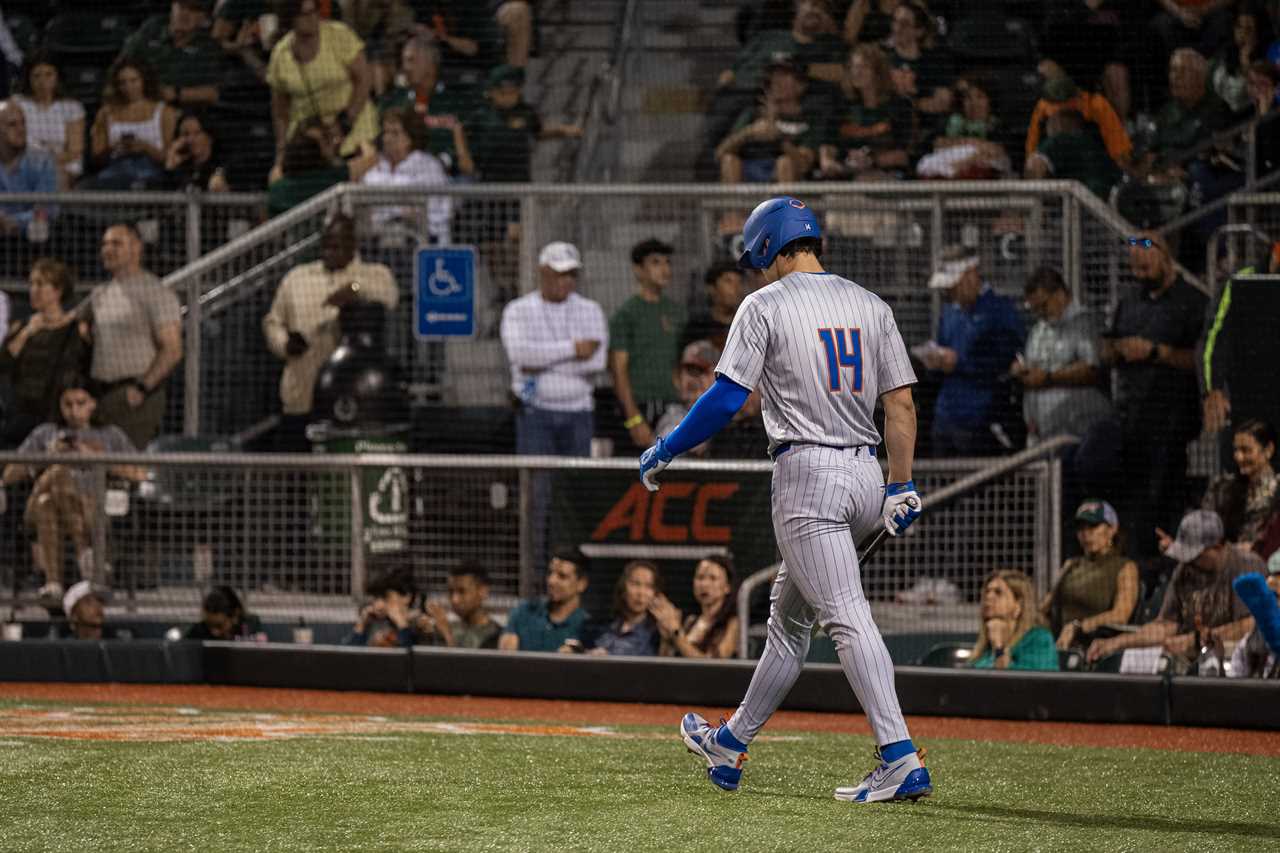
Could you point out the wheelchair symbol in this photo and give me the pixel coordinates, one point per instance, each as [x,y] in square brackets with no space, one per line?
[441,282]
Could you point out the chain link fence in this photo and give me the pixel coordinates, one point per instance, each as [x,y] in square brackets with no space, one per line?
[302,537]
[881,235]
[176,228]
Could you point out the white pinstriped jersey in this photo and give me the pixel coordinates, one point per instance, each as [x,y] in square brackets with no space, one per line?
[821,350]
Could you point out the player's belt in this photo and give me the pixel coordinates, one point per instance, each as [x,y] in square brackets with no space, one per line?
[857,448]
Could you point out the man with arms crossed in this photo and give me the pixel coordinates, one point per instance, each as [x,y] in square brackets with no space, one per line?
[821,350]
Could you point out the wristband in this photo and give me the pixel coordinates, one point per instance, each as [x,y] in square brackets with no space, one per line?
[633,422]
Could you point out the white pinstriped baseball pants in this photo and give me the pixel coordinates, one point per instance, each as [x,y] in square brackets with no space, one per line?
[825,500]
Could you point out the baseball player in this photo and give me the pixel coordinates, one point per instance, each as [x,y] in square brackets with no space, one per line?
[821,350]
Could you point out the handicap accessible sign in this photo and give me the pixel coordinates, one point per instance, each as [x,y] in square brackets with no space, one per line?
[444,296]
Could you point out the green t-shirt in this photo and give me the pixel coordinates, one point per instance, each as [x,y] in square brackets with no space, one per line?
[293,190]
[649,333]
[240,10]
[886,127]
[200,63]
[530,621]
[803,129]
[445,101]
[771,45]
[1179,127]
[1036,650]
[1081,156]
[502,141]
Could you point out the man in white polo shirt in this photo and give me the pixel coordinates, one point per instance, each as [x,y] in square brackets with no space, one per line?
[556,342]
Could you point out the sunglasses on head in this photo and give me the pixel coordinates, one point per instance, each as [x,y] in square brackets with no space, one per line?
[1144,242]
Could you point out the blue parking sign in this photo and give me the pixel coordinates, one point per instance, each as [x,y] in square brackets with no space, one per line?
[444,293]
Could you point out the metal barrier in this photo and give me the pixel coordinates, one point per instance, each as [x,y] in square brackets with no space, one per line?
[300,536]
[1032,543]
[176,227]
[1253,225]
[887,236]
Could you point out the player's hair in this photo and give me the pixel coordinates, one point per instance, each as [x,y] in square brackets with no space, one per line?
[1020,585]
[426,46]
[881,68]
[111,93]
[1262,432]
[58,274]
[470,568]
[620,588]
[223,601]
[288,11]
[923,20]
[811,245]
[42,57]
[1045,278]
[573,554]
[728,607]
[127,226]
[396,580]
[303,153]
[718,269]
[1235,492]
[414,127]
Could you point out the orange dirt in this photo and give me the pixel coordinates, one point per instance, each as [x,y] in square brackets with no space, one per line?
[613,713]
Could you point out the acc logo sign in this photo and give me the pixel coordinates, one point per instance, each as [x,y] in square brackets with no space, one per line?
[641,514]
[795,202]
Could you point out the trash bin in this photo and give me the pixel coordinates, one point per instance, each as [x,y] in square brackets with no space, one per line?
[361,407]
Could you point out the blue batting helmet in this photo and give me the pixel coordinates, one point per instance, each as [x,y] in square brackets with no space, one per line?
[771,226]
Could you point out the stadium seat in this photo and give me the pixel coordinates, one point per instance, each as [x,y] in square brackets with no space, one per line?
[24,29]
[84,81]
[87,33]
[986,38]
[948,655]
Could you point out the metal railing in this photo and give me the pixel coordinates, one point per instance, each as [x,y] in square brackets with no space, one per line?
[606,100]
[176,227]
[1045,471]
[885,235]
[299,533]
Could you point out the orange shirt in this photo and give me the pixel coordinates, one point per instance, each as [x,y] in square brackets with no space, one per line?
[1096,109]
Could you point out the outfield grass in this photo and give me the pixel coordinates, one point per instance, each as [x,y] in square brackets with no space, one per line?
[509,792]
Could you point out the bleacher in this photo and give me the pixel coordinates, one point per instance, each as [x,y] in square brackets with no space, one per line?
[641,78]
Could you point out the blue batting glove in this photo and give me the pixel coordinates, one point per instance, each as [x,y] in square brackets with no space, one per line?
[901,506]
[652,462]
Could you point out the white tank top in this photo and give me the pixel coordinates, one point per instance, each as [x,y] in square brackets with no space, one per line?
[148,131]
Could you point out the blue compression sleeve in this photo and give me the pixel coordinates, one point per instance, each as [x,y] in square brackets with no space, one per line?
[710,414]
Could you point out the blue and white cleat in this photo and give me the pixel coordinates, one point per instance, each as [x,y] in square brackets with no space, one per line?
[724,765]
[904,779]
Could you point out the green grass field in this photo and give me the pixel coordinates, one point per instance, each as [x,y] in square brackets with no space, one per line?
[424,790]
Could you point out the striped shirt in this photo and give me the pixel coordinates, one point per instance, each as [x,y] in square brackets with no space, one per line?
[821,350]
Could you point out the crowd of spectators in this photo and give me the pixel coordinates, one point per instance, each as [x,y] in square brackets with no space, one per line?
[392,95]
[183,79]
[1105,92]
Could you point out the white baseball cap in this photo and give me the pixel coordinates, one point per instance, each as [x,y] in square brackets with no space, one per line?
[949,273]
[561,257]
[73,596]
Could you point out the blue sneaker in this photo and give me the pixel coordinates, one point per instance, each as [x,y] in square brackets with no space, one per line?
[724,765]
[904,779]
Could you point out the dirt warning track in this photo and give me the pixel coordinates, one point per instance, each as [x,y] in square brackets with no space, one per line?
[174,713]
